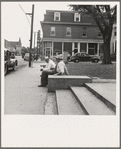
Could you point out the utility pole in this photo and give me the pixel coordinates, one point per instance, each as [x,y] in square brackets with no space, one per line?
[31,36]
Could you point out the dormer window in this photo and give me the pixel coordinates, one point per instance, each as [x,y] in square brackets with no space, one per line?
[56,16]
[77,17]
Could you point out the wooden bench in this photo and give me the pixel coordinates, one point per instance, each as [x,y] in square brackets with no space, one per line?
[64,82]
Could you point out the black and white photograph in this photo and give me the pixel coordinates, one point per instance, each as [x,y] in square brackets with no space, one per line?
[60,70]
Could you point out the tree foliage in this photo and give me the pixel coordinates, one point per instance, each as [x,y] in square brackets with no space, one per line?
[104,16]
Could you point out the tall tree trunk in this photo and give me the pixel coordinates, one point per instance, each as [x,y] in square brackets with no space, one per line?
[106,50]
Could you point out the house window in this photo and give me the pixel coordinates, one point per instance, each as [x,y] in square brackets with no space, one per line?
[68,31]
[52,32]
[84,32]
[77,17]
[56,16]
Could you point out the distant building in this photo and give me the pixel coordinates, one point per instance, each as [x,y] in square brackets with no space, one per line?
[70,31]
[14,46]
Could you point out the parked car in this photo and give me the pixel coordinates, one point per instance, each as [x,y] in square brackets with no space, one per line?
[83,57]
[26,57]
[8,62]
[13,58]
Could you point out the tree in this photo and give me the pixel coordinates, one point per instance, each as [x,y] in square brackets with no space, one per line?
[104,16]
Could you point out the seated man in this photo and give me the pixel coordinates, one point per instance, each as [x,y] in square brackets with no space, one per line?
[60,69]
[48,69]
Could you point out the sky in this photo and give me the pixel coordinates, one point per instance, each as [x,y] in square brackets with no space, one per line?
[14,22]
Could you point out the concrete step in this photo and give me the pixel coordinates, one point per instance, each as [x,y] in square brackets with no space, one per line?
[50,104]
[106,92]
[63,81]
[90,103]
[67,103]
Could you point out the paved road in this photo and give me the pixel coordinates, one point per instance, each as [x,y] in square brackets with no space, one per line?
[21,61]
[22,94]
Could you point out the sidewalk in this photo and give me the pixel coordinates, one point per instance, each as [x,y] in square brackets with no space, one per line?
[22,94]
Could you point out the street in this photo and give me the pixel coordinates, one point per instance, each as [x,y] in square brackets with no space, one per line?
[22,95]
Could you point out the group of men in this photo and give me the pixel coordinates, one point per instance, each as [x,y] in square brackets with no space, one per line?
[53,69]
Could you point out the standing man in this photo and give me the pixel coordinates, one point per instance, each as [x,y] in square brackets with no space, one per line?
[46,71]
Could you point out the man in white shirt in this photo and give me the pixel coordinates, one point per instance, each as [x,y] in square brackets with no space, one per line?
[46,71]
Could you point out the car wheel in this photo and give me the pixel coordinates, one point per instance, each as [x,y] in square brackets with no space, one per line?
[5,69]
[96,61]
[16,63]
[76,61]
[14,66]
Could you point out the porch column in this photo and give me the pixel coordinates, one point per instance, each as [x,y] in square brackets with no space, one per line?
[98,49]
[78,47]
[87,47]
[72,48]
[62,47]
[52,49]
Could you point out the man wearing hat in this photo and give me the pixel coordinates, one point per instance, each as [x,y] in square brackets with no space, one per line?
[46,71]
[50,64]
[60,68]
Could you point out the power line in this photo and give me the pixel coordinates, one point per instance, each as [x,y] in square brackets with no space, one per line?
[25,13]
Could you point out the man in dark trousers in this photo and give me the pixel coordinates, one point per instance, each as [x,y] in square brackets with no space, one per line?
[46,71]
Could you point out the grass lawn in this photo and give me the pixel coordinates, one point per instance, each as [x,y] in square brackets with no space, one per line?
[92,70]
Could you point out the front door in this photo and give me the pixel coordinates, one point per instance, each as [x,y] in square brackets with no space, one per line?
[48,52]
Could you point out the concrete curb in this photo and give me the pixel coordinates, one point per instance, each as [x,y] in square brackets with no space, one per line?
[98,80]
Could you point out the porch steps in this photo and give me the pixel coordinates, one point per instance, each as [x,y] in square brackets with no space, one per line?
[90,103]
[106,92]
[67,104]
[91,99]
